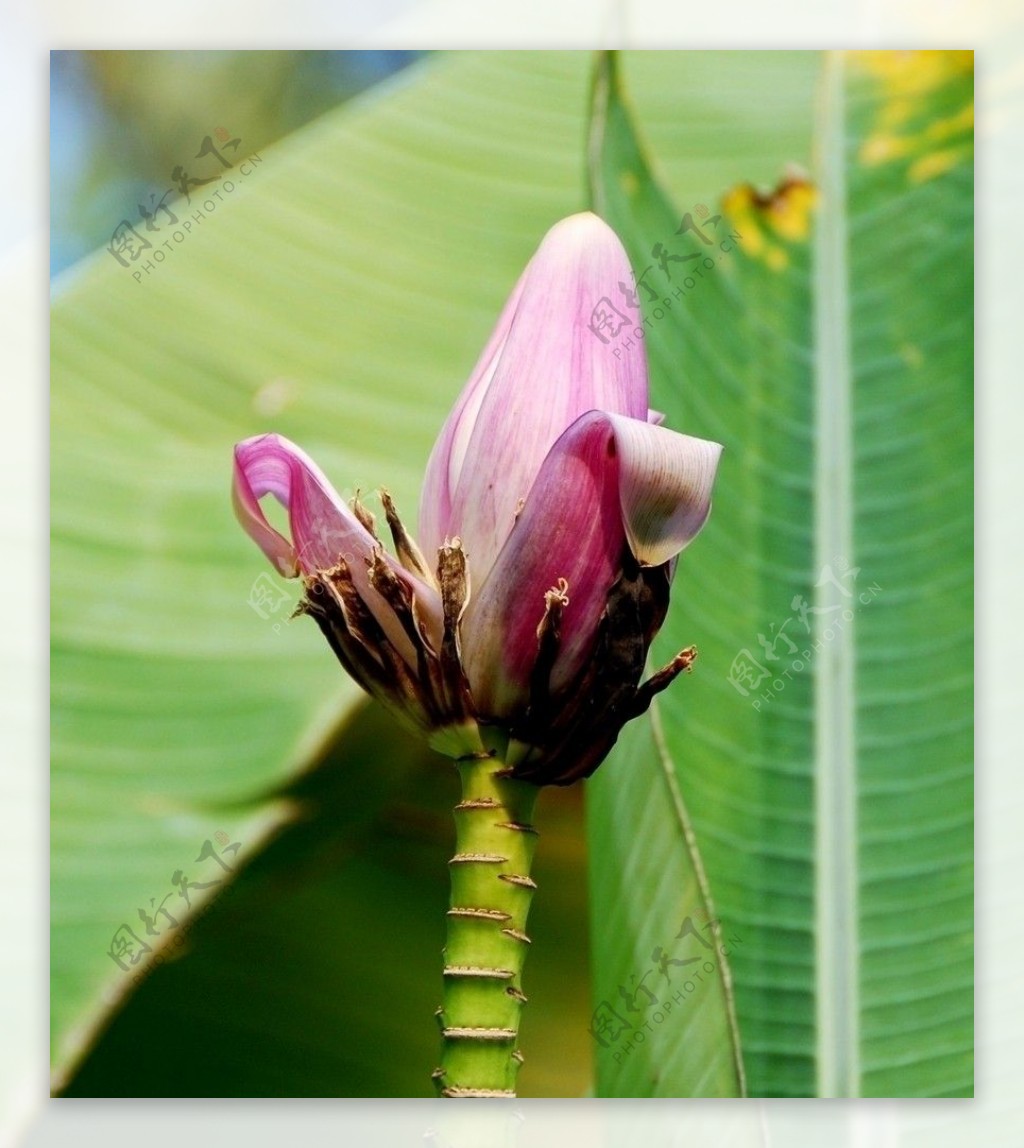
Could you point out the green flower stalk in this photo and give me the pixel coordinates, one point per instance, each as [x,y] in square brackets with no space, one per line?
[487,940]
[515,632]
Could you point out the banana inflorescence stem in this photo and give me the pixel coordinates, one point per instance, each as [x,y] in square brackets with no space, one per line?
[487,942]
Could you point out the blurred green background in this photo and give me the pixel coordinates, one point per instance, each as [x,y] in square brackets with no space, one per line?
[121,122]
[340,294]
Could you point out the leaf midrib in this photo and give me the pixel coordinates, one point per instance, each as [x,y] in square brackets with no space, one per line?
[836,920]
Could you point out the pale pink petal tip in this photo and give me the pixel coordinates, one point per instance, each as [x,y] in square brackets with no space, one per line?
[666,480]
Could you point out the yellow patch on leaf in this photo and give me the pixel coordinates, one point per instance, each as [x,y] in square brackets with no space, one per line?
[763,218]
[936,163]
[913,74]
[629,183]
[907,125]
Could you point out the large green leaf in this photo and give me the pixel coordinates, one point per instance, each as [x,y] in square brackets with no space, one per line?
[830,788]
